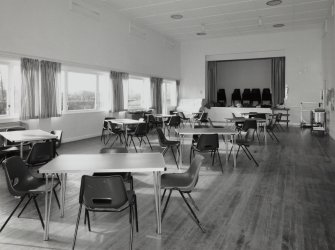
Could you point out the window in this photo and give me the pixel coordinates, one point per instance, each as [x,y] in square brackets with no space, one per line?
[137,93]
[169,95]
[80,90]
[10,88]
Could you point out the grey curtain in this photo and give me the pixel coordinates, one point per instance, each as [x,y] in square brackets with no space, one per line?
[211,81]
[156,91]
[50,89]
[278,80]
[30,101]
[117,86]
[178,91]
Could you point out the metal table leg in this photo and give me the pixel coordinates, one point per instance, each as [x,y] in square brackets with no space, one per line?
[181,151]
[234,155]
[48,198]
[63,191]
[157,189]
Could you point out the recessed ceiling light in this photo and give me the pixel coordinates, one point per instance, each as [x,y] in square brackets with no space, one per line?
[176,16]
[273,2]
[278,25]
[202,33]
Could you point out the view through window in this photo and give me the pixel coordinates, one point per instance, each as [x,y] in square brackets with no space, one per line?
[138,90]
[169,95]
[3,88]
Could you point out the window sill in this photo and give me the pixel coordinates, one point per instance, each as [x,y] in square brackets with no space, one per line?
[83,112]
[5,119]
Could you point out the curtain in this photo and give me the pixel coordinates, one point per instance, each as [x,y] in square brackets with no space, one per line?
[278,80]
[50,89]
[156,90]
[211,81]
[29,89]
[178,91]
[117,85]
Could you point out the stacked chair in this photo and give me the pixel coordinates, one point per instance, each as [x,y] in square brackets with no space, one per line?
[221,98]
[266,98]
[256,98]
[236,97]
[246,98]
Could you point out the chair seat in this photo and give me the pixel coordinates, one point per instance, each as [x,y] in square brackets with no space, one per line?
[125,175]
[171,143]
[180,181]
[36,185]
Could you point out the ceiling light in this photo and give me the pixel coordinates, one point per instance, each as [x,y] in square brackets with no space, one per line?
[278,25]
[273,2]
[202,32]
[176,16]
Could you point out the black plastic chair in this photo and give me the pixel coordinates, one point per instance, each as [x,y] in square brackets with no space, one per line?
[203,119]
[266,98]
[167,144]
[41,153]
[277,124]
[184,183]
[114,129]
[236,97]
[173,123]
[184,119]
[58,140]
[140,132]
[256,97]
[246,98]
[271,127]
[221,97]
[245,143]
[106,194]
[21,183]
[127,177]
[153,122]
[250,124]
[207,143]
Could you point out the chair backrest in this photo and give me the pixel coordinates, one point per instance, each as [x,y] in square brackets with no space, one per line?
[113,150]
[208,142]
[103,192]
[141,129]
[41,153]
[161,137]
[278,117]
[17,174]
[203,117]
[59,134]
[151,118]
[174,121]
[249,123]
[193,172]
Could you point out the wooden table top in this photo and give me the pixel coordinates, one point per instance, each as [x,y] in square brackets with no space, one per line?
[118,162]
[27,135]
[125,121]
[228,130]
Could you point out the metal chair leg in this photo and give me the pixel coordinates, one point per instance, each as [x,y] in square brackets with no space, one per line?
[246,153]
[219,159]
[252,157]
[24,207]
[56,197]
[10,216]
[77,224]
[148,142]
[174,156]
[166,203]
[193,202]
[194,215]
[38,211]
[163,195]
[136,215]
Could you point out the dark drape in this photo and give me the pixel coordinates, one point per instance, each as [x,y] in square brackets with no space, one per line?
[278,80]
[211,82]
[156,91]
[117,86]
[30,96]
[178,91]
[50,89]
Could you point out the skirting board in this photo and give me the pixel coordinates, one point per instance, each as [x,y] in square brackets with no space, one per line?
[78,138]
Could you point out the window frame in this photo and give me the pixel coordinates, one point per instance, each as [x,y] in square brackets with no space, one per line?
[143,79]
[65,85]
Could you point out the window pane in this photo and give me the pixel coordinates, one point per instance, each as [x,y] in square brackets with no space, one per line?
[81,91]
[3,88]
[135,89]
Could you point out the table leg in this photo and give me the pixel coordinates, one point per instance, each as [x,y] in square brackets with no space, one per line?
[226,142]
[48,198]
[157,189]
[234,155]
[126,133]
[21,150]
[181,151]
[63,191]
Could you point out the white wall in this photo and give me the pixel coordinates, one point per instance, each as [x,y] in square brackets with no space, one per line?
[329,67]
[48,29]
[243,74]
[302,49]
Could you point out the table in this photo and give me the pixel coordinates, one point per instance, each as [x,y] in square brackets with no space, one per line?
[88,163]
[226,131]
[125,123]
[163,116]
[29,135]
[259,121]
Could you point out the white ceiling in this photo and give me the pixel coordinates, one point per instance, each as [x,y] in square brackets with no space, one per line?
[221,17]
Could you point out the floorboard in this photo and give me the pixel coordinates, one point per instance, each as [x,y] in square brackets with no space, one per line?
[286,203]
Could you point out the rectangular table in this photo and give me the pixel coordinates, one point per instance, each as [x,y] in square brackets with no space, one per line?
[29,135]
[125,123]
[89,163]
[226,131]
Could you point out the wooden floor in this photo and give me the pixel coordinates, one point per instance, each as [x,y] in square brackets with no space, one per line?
[286,203]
